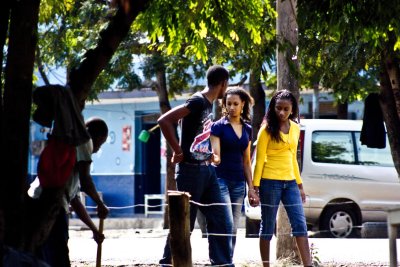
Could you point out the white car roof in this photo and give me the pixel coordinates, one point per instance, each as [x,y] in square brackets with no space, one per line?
[331,124]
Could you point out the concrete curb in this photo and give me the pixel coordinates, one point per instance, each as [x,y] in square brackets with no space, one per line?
[121,223]
[156,222]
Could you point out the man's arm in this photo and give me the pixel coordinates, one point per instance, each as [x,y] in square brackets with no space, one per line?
[89,188]
[167,123]
[80,210]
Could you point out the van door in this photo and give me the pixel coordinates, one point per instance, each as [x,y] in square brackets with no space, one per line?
[382,185]
[328,170]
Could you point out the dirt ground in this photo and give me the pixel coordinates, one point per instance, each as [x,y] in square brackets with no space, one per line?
[143,247]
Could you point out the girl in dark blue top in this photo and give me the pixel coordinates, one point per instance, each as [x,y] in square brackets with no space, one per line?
[231,141]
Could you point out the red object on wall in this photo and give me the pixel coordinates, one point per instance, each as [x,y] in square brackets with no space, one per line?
[126,137]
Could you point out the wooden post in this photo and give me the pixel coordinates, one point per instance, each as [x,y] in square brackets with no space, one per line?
[98,256]
[393,221]
[179,219]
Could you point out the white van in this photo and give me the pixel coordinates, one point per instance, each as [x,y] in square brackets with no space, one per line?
[346,183]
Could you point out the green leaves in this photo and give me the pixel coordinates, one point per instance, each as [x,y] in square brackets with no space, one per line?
[341,43]
[187,33]
[188,25]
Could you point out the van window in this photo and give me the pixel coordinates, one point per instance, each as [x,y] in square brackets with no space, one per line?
[332,147]
[374,156]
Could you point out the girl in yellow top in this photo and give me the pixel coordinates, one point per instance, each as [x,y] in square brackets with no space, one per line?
[276,174]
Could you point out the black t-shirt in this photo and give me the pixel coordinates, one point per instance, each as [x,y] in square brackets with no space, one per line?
[192,124]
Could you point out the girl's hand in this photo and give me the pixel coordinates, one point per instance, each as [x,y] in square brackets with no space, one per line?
[303,195]
[254,199]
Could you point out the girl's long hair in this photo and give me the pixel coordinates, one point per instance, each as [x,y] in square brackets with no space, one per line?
[272,120]
[244,96]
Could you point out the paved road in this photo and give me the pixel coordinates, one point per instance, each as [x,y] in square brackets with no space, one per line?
[143,247]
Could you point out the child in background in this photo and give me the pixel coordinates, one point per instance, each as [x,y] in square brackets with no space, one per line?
[55,250]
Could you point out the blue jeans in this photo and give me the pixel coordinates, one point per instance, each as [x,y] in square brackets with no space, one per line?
[233,193]
[201,182]
[271,193]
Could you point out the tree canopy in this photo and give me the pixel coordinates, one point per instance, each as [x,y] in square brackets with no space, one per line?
[187,34]
[353,47]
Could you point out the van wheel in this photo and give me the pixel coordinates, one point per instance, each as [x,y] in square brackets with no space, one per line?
[339,222]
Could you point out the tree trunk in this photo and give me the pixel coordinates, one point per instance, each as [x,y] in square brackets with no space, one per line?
[258,94]
[287,71]
[95,60]
[390,114]
[286,245]
[391,65]
[287,35]
[165,106]
[315,101]
[40,65]
[342,111]
[4,18]
[17,108]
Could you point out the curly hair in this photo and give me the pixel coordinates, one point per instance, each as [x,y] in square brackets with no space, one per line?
[273,127]
[244,96]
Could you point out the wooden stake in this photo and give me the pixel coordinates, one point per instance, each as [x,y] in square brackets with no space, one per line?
[98,257]
[179,218]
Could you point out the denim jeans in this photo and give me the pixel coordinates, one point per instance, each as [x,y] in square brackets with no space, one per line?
[271,193]
[233,193]
[201,182]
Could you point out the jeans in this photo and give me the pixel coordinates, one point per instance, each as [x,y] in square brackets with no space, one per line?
[233,193]
[201,182]
[271,193]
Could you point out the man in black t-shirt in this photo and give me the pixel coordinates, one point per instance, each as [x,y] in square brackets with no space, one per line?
[195,176]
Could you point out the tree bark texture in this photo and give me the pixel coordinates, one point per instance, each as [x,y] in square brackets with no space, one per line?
[82,78]
[258,94]
[342,110]
[287,36]
[315,103]
[165,106]
[16,114]
[179,217]
[4,19]
[287,70]
[392,70]
[286,247]
[390,115]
